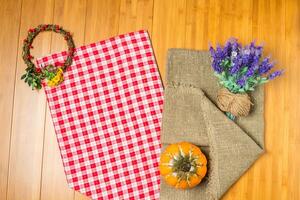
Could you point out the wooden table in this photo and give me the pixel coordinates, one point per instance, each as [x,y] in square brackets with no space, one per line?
[30,166]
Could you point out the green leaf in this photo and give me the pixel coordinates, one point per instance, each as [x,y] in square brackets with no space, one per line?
[254,81]
[247,86]
[244,69]
[223,73]
[225,63]
[241,90]
[263,80]
[217,75]
[23,76]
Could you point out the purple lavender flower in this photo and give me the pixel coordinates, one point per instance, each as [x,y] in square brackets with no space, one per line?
[235,46]
[240,68]
[251,71]
[241,82]
[236,65]
[219,53]
[217,66]
[255,60]
[246,55]
[231,46]
[227,49]
[218,56]
[251,55]
[255,50]
[275,74]
[212,52]
[265,66]
[247,59]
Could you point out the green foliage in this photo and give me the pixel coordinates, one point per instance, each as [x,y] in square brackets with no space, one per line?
[32,78]
[230,81]
[49,72]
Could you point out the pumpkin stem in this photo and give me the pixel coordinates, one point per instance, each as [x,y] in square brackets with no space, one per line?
[185,166]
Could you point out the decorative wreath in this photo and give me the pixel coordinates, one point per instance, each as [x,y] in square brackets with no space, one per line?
[54,74]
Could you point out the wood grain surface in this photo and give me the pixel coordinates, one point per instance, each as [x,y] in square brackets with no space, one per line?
[30,165]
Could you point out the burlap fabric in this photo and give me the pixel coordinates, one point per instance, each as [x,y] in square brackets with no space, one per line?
[190,114]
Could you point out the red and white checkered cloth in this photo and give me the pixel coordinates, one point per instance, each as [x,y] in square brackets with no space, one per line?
[107,117]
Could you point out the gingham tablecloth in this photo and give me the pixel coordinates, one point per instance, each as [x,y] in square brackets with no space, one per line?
[107,117]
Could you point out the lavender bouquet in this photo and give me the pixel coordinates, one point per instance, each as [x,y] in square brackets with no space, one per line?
[240,69]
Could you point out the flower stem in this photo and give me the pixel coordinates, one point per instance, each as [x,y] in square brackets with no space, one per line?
[230,116]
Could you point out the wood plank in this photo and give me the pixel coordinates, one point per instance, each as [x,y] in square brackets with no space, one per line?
[268,171]
[102,22]
[29,111]
[168,29]
[198,24]
[8,55]
[209,22]
[54,184]
[71,15]
[135,15]
[291,174]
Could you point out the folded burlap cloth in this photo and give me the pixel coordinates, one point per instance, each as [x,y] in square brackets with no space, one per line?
[190,114]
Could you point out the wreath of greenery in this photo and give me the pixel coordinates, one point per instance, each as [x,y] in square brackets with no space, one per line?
[54,74]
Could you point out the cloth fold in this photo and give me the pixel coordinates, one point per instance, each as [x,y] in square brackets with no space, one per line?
[190,115]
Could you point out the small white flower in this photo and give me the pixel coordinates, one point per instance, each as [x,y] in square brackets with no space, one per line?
[246,51]
[233,54]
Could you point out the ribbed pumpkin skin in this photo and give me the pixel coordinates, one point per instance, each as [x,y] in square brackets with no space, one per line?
[183,165]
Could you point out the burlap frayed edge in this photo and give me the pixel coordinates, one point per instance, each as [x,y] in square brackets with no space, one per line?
[176,85]
[212,176]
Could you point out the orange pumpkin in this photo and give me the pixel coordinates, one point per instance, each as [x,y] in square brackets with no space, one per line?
[183,165]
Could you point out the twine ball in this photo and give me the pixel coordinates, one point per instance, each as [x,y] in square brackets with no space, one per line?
[237,104]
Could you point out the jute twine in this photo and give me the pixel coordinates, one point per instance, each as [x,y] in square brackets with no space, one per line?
[237,104]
